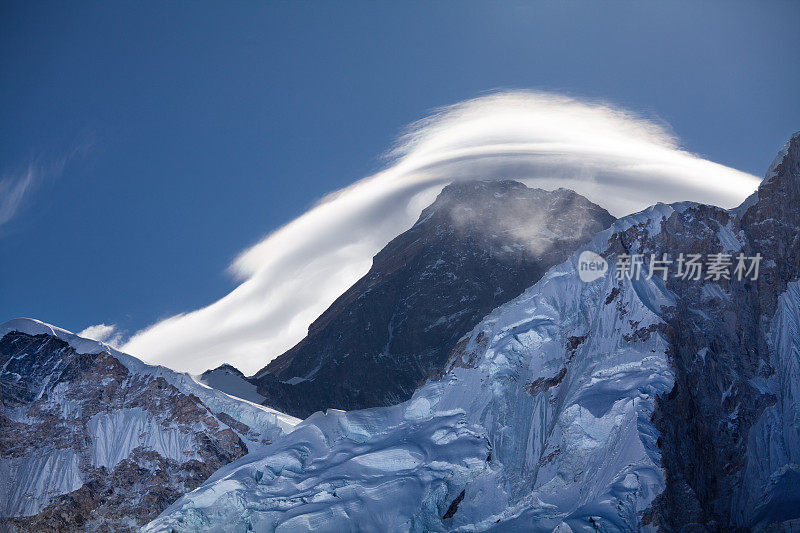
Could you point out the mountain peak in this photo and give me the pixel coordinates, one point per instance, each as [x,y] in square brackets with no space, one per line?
[480,244]
[461,188]
[32,326]
[783,176]
[780,189]
[224,367]
[506,216]
[473,194]
[230,380]
[477,193]
[787,159]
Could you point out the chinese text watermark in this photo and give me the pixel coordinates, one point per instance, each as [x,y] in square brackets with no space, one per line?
[693,267]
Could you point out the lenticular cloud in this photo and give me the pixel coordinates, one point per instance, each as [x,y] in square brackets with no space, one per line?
[615,158]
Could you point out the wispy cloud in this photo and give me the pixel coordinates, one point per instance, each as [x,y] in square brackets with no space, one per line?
[13,190]
[107,333]
[17,187]
[615,158]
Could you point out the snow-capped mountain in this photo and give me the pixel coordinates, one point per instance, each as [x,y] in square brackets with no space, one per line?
[622,404]
[479,245]
[229,379]
[94,439]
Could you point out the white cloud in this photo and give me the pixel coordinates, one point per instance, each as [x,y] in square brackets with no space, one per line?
[107,333]
[615,158]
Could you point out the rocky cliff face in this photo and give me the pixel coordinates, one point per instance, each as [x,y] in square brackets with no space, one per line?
[92,439]
[479,245]
[630,404]
[729,432]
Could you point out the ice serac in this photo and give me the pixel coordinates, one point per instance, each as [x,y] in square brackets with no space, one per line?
[479,245]
[382,469]
[94,439]
[616,405]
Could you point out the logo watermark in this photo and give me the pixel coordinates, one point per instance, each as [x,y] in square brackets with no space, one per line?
[693,267]
[591,266]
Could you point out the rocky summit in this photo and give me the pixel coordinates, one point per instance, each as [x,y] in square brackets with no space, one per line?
[479,245]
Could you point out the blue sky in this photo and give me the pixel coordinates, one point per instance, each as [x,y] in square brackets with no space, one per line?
[162,139]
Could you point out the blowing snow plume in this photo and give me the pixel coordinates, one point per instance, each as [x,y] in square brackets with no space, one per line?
[613,157]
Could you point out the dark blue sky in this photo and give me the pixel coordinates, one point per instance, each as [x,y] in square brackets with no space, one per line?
[187,131]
